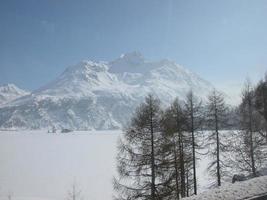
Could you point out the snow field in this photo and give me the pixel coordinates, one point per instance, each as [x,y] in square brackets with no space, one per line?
[239,190]
[36,165]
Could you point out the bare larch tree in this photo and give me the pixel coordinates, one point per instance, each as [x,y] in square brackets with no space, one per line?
[194,121]
[216,119]
[138,159]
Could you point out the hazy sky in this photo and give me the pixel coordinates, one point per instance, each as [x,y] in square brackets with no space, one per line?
[223,41]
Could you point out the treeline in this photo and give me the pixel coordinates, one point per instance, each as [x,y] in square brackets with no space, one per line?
[157,155]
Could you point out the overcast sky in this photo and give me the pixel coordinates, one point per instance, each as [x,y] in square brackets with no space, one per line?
[223,41]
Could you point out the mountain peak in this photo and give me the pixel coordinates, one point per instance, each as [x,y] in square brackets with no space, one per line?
[128,62]
[133,57]
[10,87]
[9,92]
[87,66]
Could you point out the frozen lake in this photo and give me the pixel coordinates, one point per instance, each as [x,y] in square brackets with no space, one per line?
[35,165]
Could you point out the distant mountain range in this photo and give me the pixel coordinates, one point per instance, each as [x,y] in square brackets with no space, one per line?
[97,95]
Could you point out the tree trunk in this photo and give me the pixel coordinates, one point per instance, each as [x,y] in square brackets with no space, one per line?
[187,182]
[193,147]
[218,149]
[176,172]
[265,114]
[153,188]
[182,165]
[251,139]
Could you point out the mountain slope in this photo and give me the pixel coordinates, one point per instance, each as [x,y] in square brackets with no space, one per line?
[9,92]
[101,95]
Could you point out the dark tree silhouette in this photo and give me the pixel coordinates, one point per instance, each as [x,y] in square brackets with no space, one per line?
[216,118]
[139,155]
[194,122]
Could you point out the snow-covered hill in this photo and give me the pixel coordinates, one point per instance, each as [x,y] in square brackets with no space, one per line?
[9,92]
[101,95]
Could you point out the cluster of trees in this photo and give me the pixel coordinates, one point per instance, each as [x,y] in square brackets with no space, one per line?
[158,151]
[248,154]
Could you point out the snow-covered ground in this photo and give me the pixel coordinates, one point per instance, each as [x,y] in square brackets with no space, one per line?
[39,166]
[255,187]
[35,165]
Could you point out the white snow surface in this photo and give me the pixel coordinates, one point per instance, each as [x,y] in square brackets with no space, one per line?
[101,95]
[35,165]
[255,187]
[10,92]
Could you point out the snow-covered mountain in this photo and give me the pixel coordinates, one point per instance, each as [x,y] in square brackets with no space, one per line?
[101,95]
[9,92]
